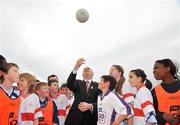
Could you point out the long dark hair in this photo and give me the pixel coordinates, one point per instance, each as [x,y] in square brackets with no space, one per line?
[119,84]
[141,73]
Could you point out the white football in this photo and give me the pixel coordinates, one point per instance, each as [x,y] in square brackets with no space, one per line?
[82,15]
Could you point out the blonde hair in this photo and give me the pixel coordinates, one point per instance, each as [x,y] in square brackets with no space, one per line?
[31,80]
[39,85]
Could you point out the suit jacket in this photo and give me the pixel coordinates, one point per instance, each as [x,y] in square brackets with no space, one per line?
[75,116]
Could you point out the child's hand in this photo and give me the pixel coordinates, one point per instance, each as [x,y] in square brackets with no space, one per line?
[173,120]
[177,115]
[168,117]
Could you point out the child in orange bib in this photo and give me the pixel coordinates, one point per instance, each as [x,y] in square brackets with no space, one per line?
[48,107]
[9,106]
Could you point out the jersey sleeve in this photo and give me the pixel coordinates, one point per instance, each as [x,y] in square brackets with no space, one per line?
[128,93]
[62,109]
[63,104]
[146,101]
[37,108]
[121,107]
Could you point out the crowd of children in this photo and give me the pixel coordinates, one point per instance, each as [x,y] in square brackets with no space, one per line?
[133,102]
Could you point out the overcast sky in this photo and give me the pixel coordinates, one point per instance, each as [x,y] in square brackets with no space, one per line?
[43,36]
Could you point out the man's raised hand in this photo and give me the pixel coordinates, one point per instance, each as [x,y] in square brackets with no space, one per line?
[79,63]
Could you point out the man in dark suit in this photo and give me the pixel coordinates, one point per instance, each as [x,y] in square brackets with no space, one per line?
[84,107]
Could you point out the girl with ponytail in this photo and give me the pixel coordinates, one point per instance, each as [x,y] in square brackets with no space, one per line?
[118,73]
[144,112]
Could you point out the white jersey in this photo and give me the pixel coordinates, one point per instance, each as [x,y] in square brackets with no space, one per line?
[130,105]
[128,93]
[143,104]
[110,107]
[30,109]
[70,102]
[61,102]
